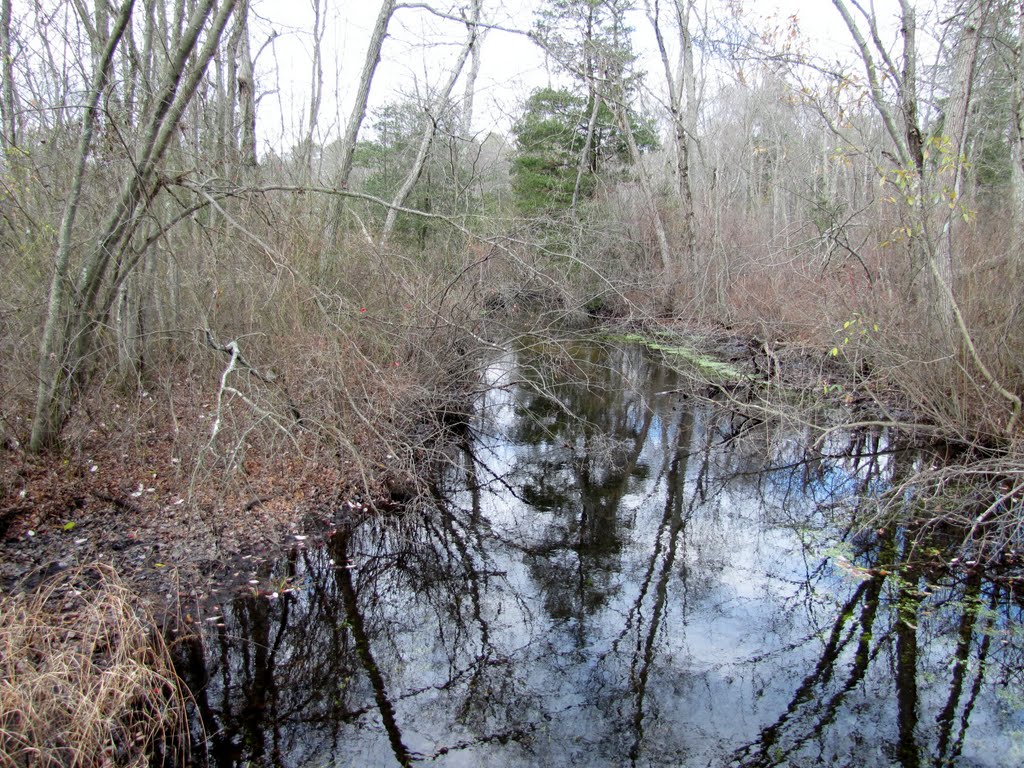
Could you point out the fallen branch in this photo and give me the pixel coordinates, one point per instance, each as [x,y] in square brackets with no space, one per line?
[234,353]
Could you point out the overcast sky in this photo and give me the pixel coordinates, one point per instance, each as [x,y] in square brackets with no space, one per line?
[420,46]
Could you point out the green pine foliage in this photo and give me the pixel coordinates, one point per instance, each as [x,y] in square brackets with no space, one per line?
[550,138]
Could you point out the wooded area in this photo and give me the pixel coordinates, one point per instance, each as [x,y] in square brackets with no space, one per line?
[210,327]
[867,204]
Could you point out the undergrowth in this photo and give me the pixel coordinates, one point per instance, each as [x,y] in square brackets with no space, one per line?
[85,680]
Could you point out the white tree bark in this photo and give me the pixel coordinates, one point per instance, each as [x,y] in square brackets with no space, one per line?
[1017,141]
[430,128]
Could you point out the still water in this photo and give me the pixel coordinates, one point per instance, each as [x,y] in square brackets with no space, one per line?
[615,573]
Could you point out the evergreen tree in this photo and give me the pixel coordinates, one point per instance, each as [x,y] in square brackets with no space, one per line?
[549,139]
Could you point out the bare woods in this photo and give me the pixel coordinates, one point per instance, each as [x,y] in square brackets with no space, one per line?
[687,161]
[207,330]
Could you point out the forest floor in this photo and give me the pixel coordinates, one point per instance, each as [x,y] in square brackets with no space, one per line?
[127,493]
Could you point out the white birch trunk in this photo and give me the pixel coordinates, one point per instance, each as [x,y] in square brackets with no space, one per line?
[430,130]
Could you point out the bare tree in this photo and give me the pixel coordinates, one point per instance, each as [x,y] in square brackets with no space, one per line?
[358,114]
[316,81]
[931,201]
[78,305]
[682,93]
[613,66]
[469,91]
[430,118]
[646,187]
[54,378]
[1017,136]
[974,15]
[246,88]
[902,124]
[587,157]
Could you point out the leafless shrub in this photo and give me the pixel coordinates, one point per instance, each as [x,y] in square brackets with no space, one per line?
[975,506]
[85,679]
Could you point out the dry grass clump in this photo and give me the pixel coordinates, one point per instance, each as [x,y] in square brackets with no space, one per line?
[84,678]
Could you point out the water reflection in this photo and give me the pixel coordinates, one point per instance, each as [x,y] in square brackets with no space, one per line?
[617,576]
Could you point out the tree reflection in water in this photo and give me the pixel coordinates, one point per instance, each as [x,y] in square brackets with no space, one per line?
[617,576]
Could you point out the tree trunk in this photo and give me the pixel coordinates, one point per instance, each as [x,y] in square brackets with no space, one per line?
[908,87]
[664,250]
[588,157]
[585,153]
[52,396]
[247,89]
[687,142]
[430,129]
[1017,144]
[463,159]
[358,114]
[904,155]
[928,210]
[8,109]
[316,88]
[905,133]
[682,108]
[127,326]
[223,138]
[471,78]
[955,128]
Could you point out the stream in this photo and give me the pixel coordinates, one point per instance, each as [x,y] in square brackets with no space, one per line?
[616,573]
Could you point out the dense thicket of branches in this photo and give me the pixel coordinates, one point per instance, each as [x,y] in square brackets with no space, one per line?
[749,178]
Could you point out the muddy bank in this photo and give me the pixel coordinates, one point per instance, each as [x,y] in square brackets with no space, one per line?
[175,523]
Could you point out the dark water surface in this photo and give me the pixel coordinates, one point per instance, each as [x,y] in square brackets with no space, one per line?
[618,575]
